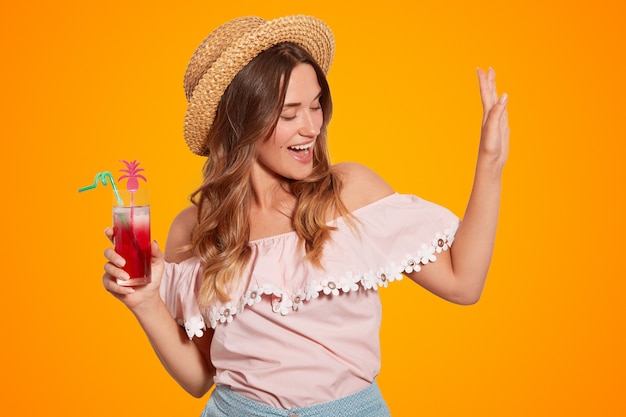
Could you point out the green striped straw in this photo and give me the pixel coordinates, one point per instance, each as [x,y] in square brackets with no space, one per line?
[102,177]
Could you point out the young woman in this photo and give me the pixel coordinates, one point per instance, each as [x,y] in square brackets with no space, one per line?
[267,287]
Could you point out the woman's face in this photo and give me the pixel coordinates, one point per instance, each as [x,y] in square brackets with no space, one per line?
[289,150]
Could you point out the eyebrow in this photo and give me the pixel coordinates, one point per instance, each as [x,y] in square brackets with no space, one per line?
[289,105]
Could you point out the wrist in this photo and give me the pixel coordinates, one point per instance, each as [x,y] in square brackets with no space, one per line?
[149,306]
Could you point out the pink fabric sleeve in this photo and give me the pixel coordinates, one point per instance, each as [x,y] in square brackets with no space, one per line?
[396,234]
[178,290]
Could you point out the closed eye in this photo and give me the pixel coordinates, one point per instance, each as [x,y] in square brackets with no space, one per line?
[315,105]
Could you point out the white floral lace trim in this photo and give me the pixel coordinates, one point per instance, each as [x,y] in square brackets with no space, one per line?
[285,303]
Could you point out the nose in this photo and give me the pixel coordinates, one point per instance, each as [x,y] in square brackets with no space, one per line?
[311,124]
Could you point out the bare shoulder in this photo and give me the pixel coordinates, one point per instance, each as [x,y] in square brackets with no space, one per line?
[361,185]
[180,235]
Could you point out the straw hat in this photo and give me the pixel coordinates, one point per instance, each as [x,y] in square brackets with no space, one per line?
[228,49]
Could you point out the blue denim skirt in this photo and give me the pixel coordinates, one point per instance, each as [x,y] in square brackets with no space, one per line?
[368,402]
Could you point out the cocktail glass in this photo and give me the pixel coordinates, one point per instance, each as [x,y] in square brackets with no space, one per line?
[131,236]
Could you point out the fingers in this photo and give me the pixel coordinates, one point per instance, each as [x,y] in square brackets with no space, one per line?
[157,260]
[115,265]
[114,258]
[494,143]
[157,255]
[110,284]
[108,232]
[497,116]
[491,79]
[114,272]
[486,95]
[498,113]
[488,91]
[504,121]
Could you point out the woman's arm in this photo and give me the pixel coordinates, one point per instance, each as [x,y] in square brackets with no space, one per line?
[188,362]
[459,274]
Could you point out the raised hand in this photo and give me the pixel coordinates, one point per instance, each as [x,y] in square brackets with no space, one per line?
[494,138]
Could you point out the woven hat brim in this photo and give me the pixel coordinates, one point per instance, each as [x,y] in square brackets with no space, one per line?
[309,32]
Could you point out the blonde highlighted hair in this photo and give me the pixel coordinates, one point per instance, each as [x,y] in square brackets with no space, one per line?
[248,112]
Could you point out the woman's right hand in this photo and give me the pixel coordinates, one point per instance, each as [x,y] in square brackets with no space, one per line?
[132,297]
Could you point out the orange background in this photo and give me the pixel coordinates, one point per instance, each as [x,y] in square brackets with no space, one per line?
[87,83]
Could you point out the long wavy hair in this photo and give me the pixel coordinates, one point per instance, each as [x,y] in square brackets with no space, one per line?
[248,113]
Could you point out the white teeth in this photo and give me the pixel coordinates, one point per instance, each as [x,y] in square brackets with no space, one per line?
[301,147]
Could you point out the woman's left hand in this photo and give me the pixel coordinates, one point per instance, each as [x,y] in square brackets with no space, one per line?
[494,138]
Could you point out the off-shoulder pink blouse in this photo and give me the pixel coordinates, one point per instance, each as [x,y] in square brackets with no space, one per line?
[294,335]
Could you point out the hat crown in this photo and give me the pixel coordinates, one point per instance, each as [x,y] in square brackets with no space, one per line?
[214,45]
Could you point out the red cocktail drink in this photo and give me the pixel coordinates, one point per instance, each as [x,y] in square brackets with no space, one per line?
[132,241]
